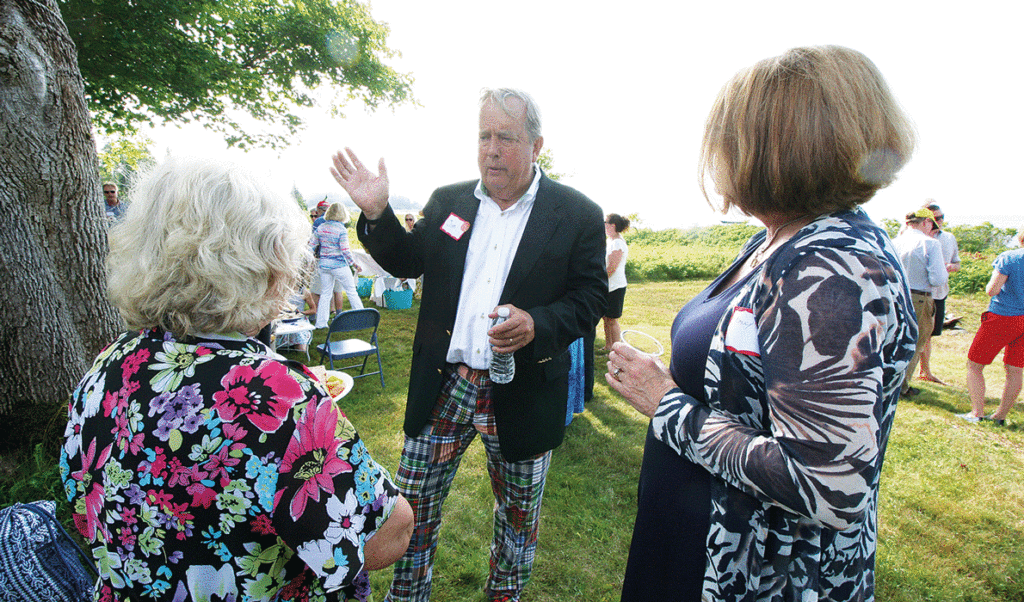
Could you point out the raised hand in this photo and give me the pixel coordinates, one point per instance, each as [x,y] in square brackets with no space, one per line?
[368,191]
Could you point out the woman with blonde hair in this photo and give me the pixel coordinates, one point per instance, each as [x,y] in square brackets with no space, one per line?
[760,471]
[335,259]
[199,463]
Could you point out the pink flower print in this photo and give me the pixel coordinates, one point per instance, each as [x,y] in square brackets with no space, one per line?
[128,516]
[123,434]
[262,525]
[312,455]
[158,498]
[110,402]
[179,475]
[93,504]
[182,519]
[219,463]
[133,362]
[156,465]
[201,495]
[264,395]
[234,400]
[234,432]
[93,500]
[90,460]
[126,537]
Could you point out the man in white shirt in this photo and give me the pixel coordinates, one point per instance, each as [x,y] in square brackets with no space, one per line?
[513,238]
[951,257]
[921,257]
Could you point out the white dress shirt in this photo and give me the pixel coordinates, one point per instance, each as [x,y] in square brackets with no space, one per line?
[921,256]
[950,254]
[493,242]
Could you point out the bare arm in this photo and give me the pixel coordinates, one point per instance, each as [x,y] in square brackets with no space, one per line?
[389,543]
[995,283]
[614,259]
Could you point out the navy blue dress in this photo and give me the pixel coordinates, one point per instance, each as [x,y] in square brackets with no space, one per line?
[668,550]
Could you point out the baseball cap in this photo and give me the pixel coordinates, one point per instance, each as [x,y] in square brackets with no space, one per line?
[323,204]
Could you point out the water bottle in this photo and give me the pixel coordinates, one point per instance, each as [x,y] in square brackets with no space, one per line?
[503,365]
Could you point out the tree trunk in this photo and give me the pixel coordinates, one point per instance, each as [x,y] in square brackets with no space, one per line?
[54,315]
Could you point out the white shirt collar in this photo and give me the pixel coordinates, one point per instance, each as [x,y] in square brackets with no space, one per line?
[528,196]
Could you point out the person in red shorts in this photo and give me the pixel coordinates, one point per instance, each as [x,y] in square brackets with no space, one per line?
[1002,326]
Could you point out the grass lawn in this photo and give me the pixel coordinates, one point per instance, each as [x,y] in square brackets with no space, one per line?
[952,497]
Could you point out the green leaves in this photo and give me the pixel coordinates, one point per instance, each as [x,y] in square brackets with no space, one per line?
[202,60]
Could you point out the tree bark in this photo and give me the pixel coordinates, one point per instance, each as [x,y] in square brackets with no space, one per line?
[54,315]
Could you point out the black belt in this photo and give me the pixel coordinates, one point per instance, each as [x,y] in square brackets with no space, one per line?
[925,293]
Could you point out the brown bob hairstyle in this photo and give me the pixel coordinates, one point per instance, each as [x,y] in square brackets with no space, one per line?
[811,131]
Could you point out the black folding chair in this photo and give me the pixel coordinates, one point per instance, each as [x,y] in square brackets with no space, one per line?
[354,320]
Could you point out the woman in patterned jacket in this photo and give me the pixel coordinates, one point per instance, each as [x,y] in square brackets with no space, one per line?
[200,464]
[336,263]
[760,471]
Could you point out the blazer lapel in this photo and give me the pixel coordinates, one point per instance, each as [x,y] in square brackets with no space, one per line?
[465,207]
[539,229]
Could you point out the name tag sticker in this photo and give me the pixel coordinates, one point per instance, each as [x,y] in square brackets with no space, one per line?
[455,226]
[741,337]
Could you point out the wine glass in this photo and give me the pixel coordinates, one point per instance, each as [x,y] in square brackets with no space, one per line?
[642,342]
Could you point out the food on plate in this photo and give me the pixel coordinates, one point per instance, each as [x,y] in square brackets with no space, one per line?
[319,372]
[335,386]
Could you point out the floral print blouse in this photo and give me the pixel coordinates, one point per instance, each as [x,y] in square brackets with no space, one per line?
[802,380]
[212,468]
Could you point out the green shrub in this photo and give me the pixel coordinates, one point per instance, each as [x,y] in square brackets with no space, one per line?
[975,271]
[730,236]
[985,238]
[891,226]
[673,261]
[658,255]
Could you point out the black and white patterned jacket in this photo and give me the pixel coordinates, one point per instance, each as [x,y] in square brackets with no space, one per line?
[802,380]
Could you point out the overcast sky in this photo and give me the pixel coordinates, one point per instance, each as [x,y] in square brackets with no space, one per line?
[624,89]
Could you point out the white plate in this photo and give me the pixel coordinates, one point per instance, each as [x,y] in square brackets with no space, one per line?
[345,378]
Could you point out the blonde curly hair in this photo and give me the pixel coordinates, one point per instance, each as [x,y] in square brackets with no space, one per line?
[205,247]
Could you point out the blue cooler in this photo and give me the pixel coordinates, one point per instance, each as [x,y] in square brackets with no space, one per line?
[365,287]
[398,299]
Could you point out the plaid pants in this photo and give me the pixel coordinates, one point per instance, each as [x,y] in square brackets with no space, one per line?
[428,465]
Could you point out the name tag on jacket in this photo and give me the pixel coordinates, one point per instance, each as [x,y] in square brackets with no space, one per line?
[741,337]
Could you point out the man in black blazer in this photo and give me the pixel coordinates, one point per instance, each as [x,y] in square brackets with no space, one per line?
[513,238]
